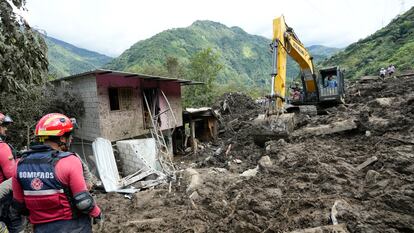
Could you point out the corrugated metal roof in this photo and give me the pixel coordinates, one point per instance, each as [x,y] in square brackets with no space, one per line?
[129,75]
[203,111]
[195,110]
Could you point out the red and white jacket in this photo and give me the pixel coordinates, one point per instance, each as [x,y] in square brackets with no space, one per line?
[45,181]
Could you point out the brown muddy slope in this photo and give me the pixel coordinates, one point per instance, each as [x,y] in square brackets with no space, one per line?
[302,181]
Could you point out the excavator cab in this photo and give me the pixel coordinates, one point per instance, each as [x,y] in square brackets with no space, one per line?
[330,88]
[331,85]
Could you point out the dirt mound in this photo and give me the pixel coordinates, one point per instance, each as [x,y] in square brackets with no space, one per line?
[235,103]
[362,178]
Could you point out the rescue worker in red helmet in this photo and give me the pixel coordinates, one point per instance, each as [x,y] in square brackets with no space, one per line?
[49,184]
[12,221]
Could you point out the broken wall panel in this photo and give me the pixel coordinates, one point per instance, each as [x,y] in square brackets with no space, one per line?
[106,164]
[143,158]
[138,154]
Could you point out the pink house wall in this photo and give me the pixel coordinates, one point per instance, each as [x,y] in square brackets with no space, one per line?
[172,91]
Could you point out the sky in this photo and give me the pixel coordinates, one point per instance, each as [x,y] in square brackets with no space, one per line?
[112,26]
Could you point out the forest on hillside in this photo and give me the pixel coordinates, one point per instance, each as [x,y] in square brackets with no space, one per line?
[393,44]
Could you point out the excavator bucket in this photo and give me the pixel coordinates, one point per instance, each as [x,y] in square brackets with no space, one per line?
[273,127]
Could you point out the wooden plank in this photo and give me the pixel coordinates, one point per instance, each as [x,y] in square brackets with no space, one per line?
[367,162]
[340,228]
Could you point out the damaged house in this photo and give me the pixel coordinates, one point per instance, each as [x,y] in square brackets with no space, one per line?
[122,105]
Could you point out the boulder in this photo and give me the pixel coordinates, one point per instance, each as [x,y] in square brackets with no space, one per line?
[265,162]
[250,172]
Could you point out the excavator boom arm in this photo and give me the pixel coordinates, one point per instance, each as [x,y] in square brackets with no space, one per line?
[285,42]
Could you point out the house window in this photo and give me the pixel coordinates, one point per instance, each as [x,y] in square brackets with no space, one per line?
[113,99]
[120,98]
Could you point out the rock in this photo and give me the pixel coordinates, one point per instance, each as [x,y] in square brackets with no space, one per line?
[195,196]
[272,127]
[383,183]
[378,121]
[371,177]
[273,192]
[265,162]
[250,172]
[272,146]
[190,172]
[334,127]
[368,133]
[281,142]
[384,102]
[193,178]
[265,206]
[238,161]
[269,148]
[309,110]
[342,211]
[218,151]
[218,169]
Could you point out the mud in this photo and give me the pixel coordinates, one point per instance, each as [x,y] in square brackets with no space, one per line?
[298,186]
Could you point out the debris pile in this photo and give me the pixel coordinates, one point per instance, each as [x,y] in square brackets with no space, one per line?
[358,180]
[235,103]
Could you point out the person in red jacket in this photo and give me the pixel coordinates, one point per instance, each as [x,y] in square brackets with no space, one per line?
[7,163]
[14,222]
[49,184]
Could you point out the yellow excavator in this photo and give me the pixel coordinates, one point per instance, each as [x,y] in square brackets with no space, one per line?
[325,87]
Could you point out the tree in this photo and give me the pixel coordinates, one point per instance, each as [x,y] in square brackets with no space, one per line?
[23,60]
[204,67]
[149,69]
[27,107]
[174,68]
[24,93]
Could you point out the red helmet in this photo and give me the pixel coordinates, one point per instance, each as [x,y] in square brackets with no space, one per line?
[5,119]
[53,124]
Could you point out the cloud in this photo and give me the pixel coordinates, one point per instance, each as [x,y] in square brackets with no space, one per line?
[111,26]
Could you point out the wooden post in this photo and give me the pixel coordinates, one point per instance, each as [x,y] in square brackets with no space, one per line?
[168,134]
[192,134]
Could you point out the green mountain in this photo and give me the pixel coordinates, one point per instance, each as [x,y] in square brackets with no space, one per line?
[320,52]
[393,44]
[66,59]
[246,57]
